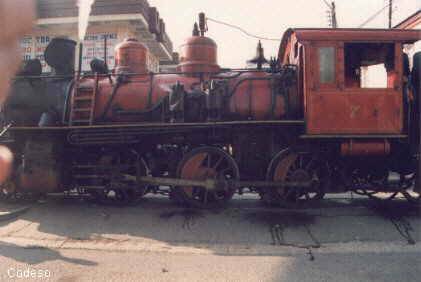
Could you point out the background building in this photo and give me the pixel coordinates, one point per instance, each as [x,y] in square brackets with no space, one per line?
[412,22]
[113,19]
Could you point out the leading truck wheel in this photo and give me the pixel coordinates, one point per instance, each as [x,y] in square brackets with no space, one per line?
[207,163]
[295,166]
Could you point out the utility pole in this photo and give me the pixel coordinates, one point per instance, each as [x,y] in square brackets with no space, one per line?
[334,22]
[390,12]
[332,14]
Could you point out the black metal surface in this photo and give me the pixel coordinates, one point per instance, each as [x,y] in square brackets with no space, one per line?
[159,125]
[79,69]
[60,54]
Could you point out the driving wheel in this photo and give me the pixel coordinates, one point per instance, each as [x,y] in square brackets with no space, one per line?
[300,167]
[207,163]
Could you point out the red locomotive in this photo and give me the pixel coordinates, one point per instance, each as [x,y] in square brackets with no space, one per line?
[336,111]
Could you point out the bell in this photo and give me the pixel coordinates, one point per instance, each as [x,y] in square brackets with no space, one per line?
[259,59]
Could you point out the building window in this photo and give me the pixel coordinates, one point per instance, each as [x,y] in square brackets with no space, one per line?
[369,65]
[327,64]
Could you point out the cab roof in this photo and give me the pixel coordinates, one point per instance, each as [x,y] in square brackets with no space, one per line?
[355,34]
[349,35]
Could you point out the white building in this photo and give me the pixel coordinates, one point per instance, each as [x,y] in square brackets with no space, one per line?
[114,19]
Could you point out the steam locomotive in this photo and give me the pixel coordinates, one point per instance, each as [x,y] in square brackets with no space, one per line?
[307,124]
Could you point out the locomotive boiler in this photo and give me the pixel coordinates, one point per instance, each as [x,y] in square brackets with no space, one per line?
[194,95]
[294,128]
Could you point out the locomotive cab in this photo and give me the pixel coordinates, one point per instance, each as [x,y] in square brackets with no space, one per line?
[351,81]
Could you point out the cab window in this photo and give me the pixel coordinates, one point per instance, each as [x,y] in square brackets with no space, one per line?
[369,65]
[326,64]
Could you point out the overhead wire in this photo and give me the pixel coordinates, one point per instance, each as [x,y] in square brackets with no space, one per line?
[327,4]
[277,39]
[373,16]
[243,30]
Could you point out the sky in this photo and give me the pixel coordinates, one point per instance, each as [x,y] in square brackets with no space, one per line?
[268,18]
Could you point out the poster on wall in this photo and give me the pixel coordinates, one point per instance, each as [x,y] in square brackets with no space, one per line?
[33,47]
[93,47]
[27,47]
[41,43]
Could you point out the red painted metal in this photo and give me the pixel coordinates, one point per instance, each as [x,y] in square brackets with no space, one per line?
[251,92]
[140,93]
[347,34]
[365,148]
[131,57]
[198,55]
[281,170]
[329,108]
[354,112]
[355,34]
[253,97]
[342,106]
[193,169]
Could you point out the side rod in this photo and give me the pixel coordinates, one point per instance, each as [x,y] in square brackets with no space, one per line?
[217,184]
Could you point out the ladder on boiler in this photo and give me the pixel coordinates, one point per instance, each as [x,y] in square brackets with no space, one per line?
[82,105]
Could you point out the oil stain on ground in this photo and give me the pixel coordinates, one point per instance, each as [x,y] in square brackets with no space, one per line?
[189,216]
[398,214]
[278,222]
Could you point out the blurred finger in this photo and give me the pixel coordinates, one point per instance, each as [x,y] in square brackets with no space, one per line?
[6,159]
[9,59]
[16,17]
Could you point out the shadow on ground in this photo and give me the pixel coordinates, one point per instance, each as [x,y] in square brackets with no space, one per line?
[24,255]
[244,223]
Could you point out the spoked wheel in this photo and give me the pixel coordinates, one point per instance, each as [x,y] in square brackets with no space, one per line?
[122,185]
[207,163]
[294,166]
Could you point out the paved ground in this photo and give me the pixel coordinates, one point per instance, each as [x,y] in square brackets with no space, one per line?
[338,240]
